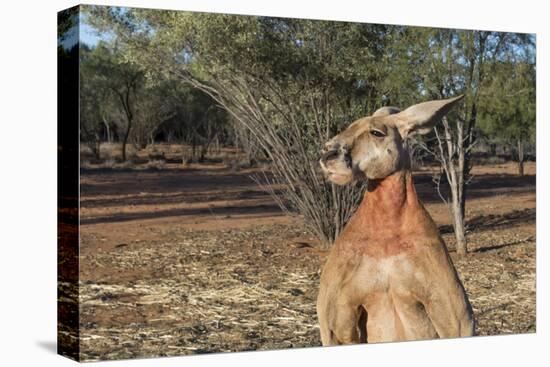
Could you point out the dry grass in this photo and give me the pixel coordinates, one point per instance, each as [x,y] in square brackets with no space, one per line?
[221,291]
[501,281]
[197,294]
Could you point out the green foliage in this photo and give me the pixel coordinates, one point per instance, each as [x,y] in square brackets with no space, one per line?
[509,106]
[111,85]
[136,102]
[293,83]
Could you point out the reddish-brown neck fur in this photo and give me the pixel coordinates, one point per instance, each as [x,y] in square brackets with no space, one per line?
[390,214]
[388,202]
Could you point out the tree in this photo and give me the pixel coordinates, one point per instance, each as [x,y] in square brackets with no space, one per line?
[196,121]
[292,84]
[117,78]
[150,112]
[96,106]
[458,62]
[509,108]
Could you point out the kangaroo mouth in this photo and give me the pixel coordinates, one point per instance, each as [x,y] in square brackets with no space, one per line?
[336,165]
[336,176]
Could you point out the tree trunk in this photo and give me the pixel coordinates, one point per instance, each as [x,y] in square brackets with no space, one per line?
[454,162]
[126,136]
[107,129]
[217,144]
[520,158]
[124,141]
[203,151]
[184,153]
[193,148]
[458,225]
[97,147]
[493,149]
[457,206]
[460,231]
[125,100]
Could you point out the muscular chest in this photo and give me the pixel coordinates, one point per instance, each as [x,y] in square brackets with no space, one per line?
[382,274]
[390,269]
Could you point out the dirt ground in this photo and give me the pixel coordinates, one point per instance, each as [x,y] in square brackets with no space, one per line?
[197,259]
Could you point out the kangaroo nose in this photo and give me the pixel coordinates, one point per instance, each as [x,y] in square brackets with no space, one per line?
[331,154]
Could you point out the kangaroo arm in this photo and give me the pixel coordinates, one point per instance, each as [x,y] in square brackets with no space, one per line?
[451,314]
[445,299]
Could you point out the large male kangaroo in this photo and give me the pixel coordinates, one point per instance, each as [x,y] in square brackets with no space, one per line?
[388,276]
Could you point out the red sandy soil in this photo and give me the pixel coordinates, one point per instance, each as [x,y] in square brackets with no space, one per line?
[199,259]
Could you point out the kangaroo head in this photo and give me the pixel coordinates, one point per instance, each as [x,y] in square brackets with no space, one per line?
[373,147]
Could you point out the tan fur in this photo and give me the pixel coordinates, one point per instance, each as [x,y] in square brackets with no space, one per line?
[388,276]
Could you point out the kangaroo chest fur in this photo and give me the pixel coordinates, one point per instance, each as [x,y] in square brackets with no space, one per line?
[388,284]
[377,262]
[389,289]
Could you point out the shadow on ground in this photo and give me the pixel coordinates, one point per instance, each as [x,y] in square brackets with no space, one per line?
[492,221]
[256,211]
[175,185]
[482,186]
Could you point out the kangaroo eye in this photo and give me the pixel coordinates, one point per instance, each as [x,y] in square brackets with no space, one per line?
[377,133]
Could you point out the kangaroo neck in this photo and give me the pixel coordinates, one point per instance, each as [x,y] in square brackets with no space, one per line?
[389,204]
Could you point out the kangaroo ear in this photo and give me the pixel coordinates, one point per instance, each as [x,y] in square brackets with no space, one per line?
[421,118]
[385,111]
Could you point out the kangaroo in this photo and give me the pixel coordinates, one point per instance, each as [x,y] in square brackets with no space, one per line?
[388,276]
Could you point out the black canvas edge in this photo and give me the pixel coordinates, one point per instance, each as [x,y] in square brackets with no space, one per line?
[68,191]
